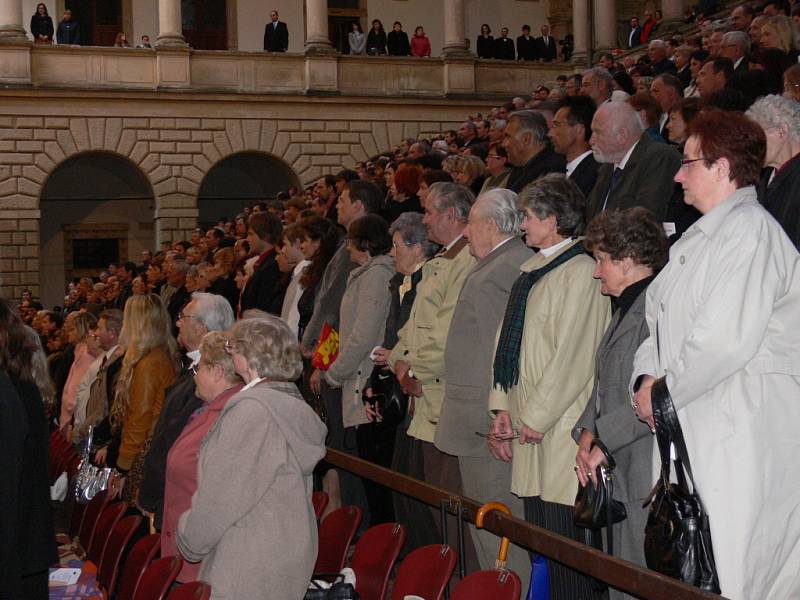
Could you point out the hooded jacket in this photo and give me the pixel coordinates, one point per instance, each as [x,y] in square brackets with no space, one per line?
[251,521]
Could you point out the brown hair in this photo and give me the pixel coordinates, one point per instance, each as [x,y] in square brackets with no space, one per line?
[633,233]
[731,135]
[406,180]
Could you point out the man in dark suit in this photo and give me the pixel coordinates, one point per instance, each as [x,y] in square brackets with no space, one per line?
[570,134]
[636,170]
[276,34]
[504,46]
[525,141]
[546,46]
[526,45]
[491,231]
[735,45]
[262,289]
[635,33]
[125,274]
[659,63]
[682,56]
[666,89]
[204,313]
[176,277]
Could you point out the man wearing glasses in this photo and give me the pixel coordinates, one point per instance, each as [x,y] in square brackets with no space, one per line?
[203,313]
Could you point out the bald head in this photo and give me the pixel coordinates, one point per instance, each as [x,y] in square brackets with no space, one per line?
[616,127]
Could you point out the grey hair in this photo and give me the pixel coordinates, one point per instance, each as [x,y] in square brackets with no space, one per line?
[180,266]
[777,112]
[500,124]
[530,121]
[739,38]
[268,346]
[470,125]
[413,232]
[500,205]
[601,74]
[446,195]
[556,194]
[213,311]
[657,44]
[423,145]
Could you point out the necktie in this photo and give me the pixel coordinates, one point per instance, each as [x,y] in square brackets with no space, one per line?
[615,177]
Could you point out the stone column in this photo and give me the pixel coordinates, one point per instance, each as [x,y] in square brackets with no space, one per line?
[605,19]
[317,40]
[580,30]
[170,25]
[454,45]
[11,31]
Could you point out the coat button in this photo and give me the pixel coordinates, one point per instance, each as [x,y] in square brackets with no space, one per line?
[682,259]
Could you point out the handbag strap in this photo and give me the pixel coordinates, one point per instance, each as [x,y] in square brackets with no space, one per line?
[669,431]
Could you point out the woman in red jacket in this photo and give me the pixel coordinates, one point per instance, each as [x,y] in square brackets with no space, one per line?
[420,44]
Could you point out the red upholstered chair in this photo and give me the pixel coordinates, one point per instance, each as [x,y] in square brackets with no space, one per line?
[374,557]
[90,517]
[118,541]
[105,524]
[194,590]
[139,558]
[76,519]
[497,585]
[158,578]
[425,572]
[320,502]
[335,534]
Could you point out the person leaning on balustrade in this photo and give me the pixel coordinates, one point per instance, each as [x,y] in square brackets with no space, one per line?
[629,248]
[724,341]
[544,365]
[251,521]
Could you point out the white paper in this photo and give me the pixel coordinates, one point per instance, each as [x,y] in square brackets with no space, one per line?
[64,576]
[669,228]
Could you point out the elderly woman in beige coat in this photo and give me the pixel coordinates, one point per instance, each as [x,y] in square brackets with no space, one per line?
[251,521]
[544,365]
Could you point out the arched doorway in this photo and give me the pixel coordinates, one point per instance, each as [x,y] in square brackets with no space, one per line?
[241,180]
[96,208]
[205,24]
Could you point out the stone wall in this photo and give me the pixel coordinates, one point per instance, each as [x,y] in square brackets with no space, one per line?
[176,143]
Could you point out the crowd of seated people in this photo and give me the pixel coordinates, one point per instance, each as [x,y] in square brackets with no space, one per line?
[539,276]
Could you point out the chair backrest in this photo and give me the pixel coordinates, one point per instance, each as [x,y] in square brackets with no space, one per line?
[335,534]
[497,585]
[105,524]
[375,555]
[194,590]
[158,578]
[118,541]
[320,501]
[139,558]
[90,517]
[425,572]
[76,519]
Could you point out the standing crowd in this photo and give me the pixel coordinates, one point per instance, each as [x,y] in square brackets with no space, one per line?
[513,300]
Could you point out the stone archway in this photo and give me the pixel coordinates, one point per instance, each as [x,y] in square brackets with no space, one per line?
[96,208]
[240,180]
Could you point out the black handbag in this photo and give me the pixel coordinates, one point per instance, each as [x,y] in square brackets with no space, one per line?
[338,591]
[677,539]
[387,396]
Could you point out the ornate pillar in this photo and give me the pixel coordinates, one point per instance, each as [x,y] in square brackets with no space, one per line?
[317,40]
[454,45]
[605,19]
[170,24]
[11,31]
[580,30]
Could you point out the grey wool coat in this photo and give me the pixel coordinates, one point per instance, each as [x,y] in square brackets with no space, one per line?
[251,521]
[610,416]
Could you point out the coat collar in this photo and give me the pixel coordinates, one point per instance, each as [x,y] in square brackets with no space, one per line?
[508,246]
[538,260]
[710,222]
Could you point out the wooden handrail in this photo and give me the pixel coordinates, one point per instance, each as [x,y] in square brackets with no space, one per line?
[618,573]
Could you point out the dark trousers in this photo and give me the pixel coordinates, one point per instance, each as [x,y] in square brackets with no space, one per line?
[420,525]
[345,439]
[376,444]
[565,583]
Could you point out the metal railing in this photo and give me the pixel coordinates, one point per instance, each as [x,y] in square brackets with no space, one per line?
[615,572]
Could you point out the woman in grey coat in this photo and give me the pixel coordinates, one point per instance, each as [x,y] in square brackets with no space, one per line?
[251,521]
[629,247]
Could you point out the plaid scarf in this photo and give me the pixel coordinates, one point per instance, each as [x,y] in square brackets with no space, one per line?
[506,358]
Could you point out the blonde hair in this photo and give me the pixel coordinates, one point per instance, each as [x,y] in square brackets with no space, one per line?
[472,166]
[784,28]
[224,259]
[212,352]
[145,326]
[83,323]
[268,346]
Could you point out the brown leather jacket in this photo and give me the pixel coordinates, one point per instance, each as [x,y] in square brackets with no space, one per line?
[151,377]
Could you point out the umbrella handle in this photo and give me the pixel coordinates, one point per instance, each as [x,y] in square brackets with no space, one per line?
[487,508]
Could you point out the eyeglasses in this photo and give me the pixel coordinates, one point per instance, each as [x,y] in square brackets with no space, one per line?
[183,316]
[687,161]
[194,368]
[498,438]
[495,156]
[230,347]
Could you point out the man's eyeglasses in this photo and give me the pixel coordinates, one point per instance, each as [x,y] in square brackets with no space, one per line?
[183,316]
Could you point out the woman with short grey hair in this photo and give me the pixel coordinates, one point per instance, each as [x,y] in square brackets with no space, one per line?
[779,189]
[254,474]
[555,195]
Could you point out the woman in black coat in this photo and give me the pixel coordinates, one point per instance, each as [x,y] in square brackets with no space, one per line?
[376,39]
[485,45]
[27,543]
[397,41]
[42,25]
